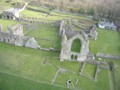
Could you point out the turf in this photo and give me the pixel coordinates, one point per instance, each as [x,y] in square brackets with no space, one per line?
[46,36]
[5,23]
[107,42]
[11,82]
[30,65]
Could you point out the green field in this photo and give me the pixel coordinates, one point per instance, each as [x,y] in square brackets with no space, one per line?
[30,65]
[6,23]
[46,36]
[29,69]
[107,42]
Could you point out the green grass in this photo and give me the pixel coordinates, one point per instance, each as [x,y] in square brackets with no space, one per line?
[46,36]
[4,6]
[5,23]
[107,42]
[39,8]
[89,70]
[53,15]
[30,65]
[9,82]
[117,73]
[29,13]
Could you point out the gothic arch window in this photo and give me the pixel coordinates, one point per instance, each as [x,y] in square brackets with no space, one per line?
[11,17]
[76,57]
[72,57]
[76,45]
[8,40]
[4,40]
[4,16]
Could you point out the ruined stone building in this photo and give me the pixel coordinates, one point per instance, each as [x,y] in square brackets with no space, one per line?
[13,13]
[16,30]
[67,54]
[91,32]
[14,35]
[68,38]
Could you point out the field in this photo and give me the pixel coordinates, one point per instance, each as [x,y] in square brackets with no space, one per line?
[30,65]
[29,69]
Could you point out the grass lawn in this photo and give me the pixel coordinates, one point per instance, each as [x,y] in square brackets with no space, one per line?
[29,13]
[30,65]
[46,36]
[117,74]
[5,23]
[89,70]
[107,42]
[53,15]
[10,82]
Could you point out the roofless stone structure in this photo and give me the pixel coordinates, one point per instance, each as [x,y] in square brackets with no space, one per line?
[13,13]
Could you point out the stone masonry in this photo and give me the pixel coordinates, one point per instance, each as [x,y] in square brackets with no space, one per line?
[17,38]
[13,13]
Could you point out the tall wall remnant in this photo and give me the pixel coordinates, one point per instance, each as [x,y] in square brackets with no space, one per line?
[68,37]
[67,54]
[16,30]
[91,32]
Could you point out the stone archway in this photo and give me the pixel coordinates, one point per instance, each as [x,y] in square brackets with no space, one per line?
[72,57]
[81,48]
[76,57]
[76,45]
[8,17]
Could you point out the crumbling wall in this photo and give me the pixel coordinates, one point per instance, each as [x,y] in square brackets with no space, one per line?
[13,13]
[67,30]
[67,54]
[31,43]
[16,30]
[109,56]
[18,40]
[68,36]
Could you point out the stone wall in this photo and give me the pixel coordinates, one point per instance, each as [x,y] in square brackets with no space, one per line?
[67,30]
[109,56]
[67,54]
[16,30]
[13,13]
[18,40]
[69,35]
[38,21]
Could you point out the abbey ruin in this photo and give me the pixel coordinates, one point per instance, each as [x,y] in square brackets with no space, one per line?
[14,35]
[68,37]
[13,13]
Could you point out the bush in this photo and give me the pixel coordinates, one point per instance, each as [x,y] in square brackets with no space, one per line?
[81,11]
[90,11]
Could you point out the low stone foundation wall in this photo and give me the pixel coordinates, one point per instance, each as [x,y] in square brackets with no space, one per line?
[109,56]
[38,21]
[36,10]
